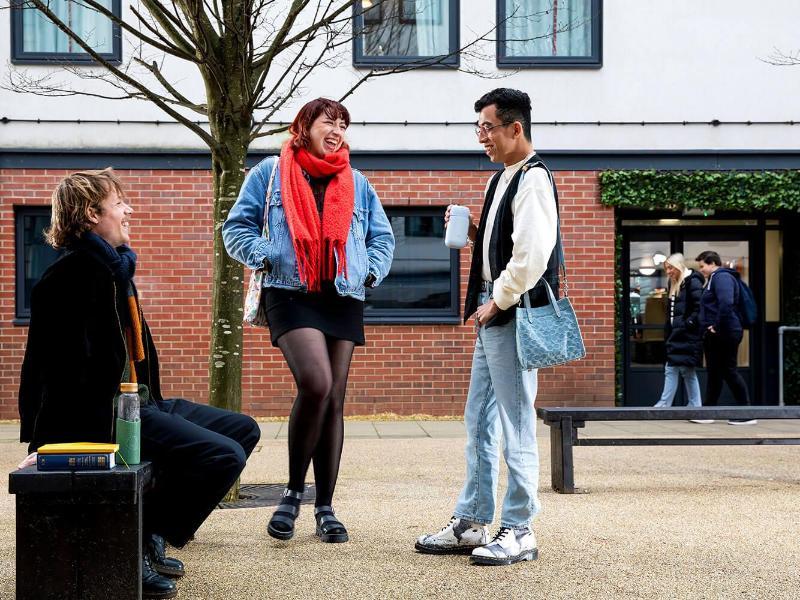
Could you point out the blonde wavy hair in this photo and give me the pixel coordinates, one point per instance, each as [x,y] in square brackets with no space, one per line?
[76,195]
[677,261]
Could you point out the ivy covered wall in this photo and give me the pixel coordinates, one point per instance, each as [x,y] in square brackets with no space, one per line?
[748,191]
[773,192]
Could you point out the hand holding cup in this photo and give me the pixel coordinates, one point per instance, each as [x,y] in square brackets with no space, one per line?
[457,221]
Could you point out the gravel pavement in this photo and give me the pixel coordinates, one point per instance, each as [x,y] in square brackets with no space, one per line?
[661,522]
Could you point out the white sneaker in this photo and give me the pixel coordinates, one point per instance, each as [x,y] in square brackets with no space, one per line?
[508,546]
[459,536]
[702,421]
[742,422]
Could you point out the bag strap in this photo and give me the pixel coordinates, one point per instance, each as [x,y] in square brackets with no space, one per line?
[265,229]
[559,248]
[527,301]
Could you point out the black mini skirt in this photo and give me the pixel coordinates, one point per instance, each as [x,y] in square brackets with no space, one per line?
[338,317]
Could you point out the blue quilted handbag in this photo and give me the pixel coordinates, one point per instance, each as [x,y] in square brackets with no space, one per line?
[548,335]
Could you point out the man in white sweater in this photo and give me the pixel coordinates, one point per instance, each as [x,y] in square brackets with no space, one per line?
[514,253]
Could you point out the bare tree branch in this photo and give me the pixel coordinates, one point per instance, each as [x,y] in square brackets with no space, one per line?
[300,76]
[167,48]
[312,29]
[779,58]
[174,28]
[280,36]
[23,83]
[154,98]
[181,100]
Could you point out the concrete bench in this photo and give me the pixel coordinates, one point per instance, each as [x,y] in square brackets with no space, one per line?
[79,534]
[564,423]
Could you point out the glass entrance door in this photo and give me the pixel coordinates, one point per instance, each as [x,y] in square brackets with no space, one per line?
[644,302]
[646,299]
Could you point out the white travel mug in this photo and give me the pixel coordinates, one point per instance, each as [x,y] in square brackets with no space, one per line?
[457,227]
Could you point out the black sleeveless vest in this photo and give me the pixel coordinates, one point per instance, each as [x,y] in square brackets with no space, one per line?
[501,247]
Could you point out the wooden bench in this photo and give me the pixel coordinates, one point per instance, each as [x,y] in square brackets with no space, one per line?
[564,423]
[79,534]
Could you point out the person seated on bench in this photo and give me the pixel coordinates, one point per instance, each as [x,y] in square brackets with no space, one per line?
[87,334]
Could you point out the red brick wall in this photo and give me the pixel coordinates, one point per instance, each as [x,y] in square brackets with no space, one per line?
[405,369]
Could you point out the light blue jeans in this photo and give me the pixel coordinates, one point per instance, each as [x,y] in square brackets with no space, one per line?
[500,399]
[671,375]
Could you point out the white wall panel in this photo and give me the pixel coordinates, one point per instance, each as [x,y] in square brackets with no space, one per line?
[676,61]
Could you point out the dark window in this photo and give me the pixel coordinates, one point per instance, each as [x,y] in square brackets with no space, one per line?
[422,285]
[549,33]
[33,254]
[400,32]
[36,39]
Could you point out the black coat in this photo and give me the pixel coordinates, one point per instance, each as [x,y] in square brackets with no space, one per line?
[684,336]
[75,355]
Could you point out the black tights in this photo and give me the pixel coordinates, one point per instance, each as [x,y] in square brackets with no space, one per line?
[316,426]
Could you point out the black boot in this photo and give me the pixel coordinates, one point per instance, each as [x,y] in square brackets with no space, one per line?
[153,584]
[155,547]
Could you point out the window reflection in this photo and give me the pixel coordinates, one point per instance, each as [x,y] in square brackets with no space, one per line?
[648,301]
[406,28]
[554,28]
[420,280]
[34,254]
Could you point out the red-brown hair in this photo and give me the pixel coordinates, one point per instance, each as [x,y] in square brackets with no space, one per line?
[300,127]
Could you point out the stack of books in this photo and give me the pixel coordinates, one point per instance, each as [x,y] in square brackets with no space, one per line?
[76,456]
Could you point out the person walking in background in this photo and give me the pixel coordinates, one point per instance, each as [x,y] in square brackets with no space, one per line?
[722,331]
[684,340]
[327,238]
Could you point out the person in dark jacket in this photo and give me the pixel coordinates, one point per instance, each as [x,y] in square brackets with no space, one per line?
[722,331]
[684,341]
[87,334]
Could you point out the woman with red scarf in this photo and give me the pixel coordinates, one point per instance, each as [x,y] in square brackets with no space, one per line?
[317,229]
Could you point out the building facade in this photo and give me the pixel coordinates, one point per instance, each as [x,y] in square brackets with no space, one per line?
[679,88]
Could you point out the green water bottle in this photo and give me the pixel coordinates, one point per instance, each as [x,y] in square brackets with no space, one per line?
[128,425]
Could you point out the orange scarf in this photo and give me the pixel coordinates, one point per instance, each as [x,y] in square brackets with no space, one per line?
[133,335]
[317,241]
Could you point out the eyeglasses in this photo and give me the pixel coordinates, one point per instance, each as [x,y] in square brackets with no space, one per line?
[484,128]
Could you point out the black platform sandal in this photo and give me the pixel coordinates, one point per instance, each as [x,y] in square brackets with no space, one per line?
[329,528]
[281,525]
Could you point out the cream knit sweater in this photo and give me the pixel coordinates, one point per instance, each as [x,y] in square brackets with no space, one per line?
[534,236]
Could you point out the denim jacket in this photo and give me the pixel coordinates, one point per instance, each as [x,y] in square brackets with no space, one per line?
[369,247]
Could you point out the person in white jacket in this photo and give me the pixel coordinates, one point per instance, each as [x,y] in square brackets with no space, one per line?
[514,254]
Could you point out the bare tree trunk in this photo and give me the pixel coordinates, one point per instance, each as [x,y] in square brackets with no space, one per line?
[225,362]
[225,388]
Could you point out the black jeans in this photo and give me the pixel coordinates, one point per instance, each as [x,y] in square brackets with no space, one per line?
[721,350]
[197,452]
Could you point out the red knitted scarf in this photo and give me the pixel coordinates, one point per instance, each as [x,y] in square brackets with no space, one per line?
[317,242]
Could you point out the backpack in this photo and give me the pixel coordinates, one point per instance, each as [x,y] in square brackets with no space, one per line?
[746,305]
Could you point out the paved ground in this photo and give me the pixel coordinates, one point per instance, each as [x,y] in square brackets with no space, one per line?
[663,522]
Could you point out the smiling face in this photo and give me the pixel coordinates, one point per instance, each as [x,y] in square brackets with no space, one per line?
[113,222]
[706,269]
[326,135]
[673,273]
[503,141]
